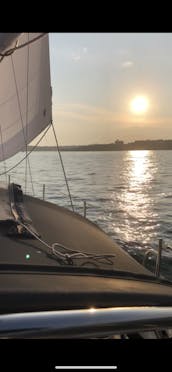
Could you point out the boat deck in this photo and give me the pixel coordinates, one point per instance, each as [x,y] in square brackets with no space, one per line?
[58,224]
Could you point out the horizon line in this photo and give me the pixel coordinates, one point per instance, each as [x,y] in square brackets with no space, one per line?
[120,142]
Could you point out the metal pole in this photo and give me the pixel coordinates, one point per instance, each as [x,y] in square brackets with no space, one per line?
[43,192]
[85,209]
[9,180]
[84,323]
[158,260]
[147,254]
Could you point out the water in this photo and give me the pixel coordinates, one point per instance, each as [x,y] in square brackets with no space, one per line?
[128,194]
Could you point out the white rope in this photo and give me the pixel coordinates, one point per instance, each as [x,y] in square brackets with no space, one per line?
[27,105]
[66,256]
[34,147]
[2,145]
[63,168]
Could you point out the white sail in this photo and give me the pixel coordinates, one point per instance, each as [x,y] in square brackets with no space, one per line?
[25,94]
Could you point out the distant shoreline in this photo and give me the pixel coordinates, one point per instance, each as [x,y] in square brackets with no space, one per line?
[116,146]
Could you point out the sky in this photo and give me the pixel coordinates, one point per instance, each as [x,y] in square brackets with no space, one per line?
[97,79]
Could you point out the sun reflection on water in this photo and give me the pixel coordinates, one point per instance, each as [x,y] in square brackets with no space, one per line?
[135,198]
[139,167]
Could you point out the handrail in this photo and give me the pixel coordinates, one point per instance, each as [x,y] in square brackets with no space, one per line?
[158,261]
[85,323]
[158,257]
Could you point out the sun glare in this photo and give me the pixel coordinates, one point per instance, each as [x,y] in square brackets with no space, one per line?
[139,105]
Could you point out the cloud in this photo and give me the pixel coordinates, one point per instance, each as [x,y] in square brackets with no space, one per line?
[76,57]
[85,50]
[95,115]
[89,114]
[79,123]
[127,64]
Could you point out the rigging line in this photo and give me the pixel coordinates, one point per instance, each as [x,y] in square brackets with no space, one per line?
[33,148]
[67,256]
[15,80]
[27,103]
[8,52]
[12,50]
[61,160]
[3,155]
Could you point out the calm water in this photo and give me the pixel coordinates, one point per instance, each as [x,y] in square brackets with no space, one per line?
[128,194]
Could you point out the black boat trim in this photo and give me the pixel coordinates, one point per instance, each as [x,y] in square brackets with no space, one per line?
[78,271]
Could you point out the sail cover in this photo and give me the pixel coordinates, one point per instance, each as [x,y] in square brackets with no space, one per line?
[25,92]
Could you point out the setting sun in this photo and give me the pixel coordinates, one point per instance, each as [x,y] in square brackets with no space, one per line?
[139,105]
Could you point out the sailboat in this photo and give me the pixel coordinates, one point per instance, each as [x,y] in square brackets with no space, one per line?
[61,275]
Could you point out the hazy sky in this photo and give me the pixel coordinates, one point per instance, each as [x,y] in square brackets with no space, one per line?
[95,76]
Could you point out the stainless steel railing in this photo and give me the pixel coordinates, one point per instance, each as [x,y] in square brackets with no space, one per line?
[85,323]
[158,254]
